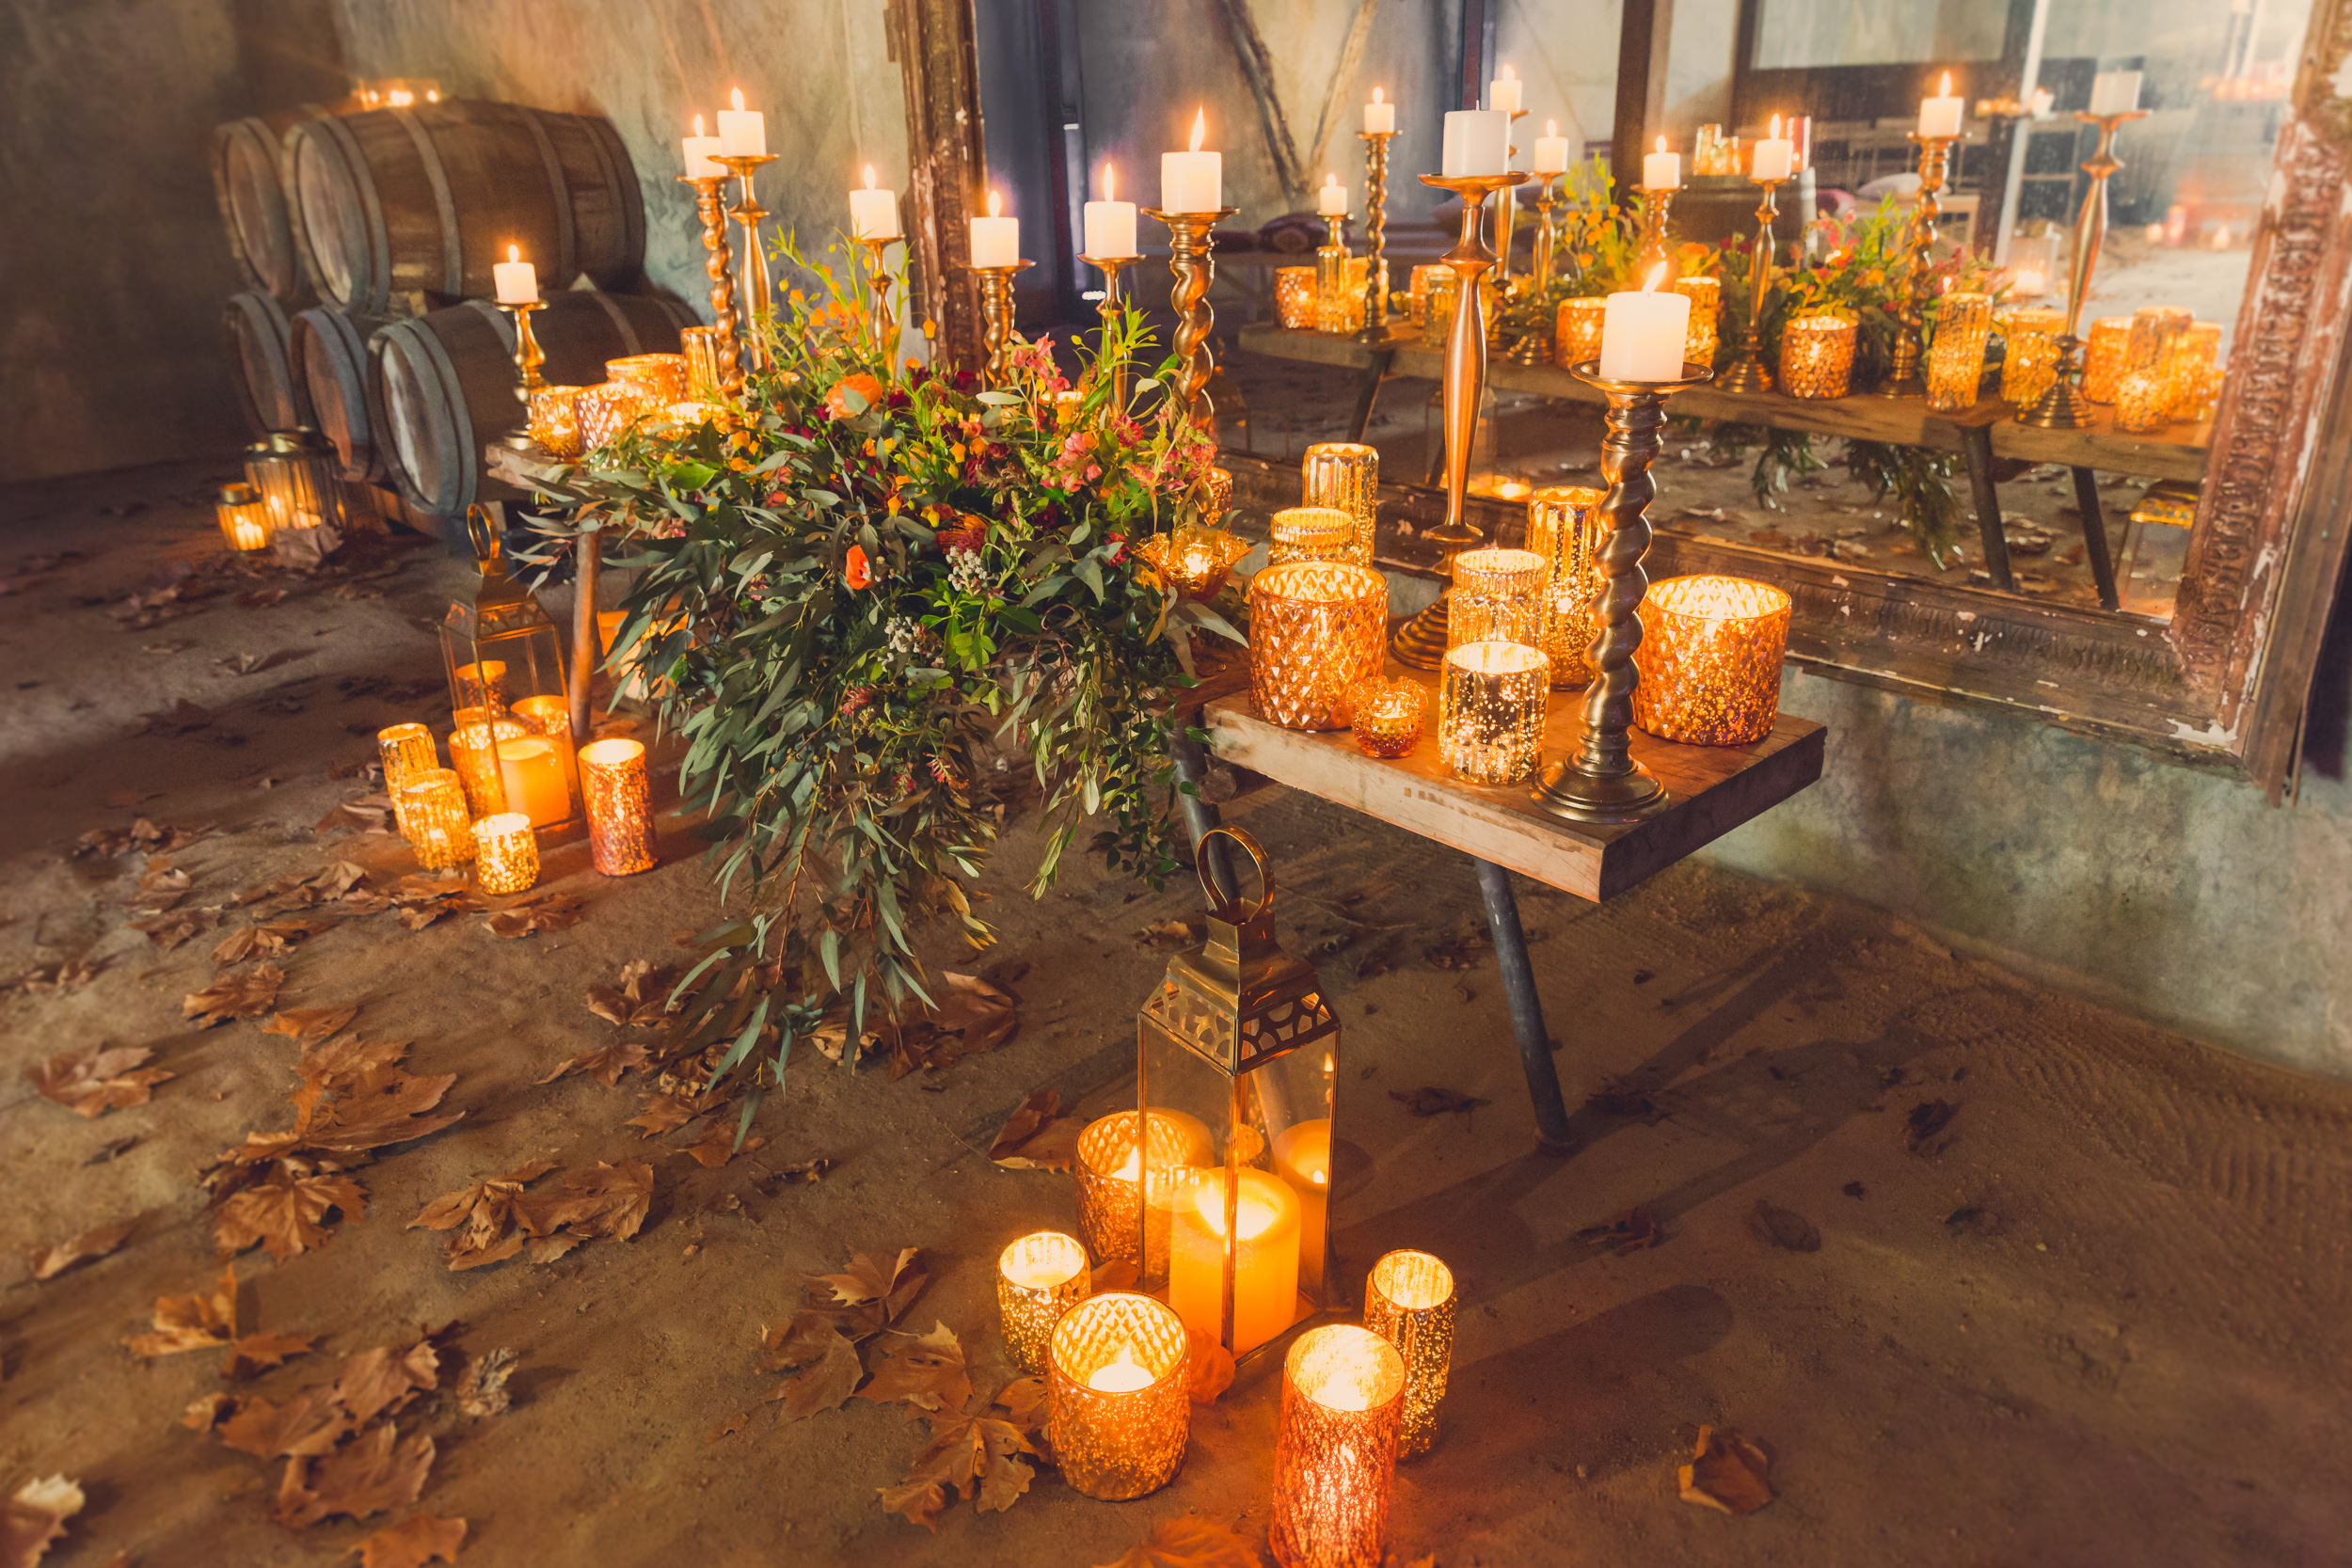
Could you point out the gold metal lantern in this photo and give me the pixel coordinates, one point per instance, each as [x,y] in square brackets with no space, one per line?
[294,471]
[505,666]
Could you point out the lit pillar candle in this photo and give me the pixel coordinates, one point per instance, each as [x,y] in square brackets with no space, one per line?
[1110,223]
[742,132]
[1265,1262]
[699,150]
[1302,1157]
[1642,334]
[1551,150]
[1661,170]
[995,239]
[873,214]
[1194,180]
[1380,116]
[2115,92]
[1335,1449]
[620,810]
[533,778]
[1774,155]
[1502,93]
[506,856]
[1477,141]
[1332,198]
[1039,1279]
[551,717]
[516,280]
[1117,1402]
[1408,1301]
[473,753]
[1940,115]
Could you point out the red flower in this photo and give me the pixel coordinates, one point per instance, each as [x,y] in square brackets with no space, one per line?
[854,571]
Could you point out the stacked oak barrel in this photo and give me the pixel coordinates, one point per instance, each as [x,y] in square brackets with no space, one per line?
[367,241]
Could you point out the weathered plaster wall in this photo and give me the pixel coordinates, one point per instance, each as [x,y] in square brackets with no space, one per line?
[114,265]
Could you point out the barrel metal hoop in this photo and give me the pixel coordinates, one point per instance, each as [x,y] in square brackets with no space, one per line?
[566,241]
[437,389]
[453,243]
[362,179]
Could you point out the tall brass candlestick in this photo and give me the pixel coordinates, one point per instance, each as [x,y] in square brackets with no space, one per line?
[1110,267]
[1422,641]
[996,316]
[528,357]
[1903,378]
[715,262]
[1544,235]
[1376,231]
[1507,214]
[747,212]
[2063,406]
[1602,781]
[1747,372]
[877,279]
[1656,205]
[1195,268]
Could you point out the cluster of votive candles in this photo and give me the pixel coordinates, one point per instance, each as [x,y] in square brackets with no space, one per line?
[514,774]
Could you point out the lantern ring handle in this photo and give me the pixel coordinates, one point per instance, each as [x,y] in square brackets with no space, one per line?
[1239,911]
[482,531]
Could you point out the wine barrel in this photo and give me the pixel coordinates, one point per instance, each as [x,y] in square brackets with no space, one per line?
[445,383]
[327,350]
[429,198]
[246,155]
[259,366]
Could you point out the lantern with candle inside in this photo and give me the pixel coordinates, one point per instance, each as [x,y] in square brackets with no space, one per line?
[1701,338]
[1039,1279]
[1491,710]
[1566,528]
[1344,474]
[1295,300]
[1335,1449]
[1710,659]
[496,644]
[506,852]
[473,753]
[295,472]
[431,810]
[1238,1038]
[2029,353]
[1114,1179]
[1963,320]
[1816,357]
[1576,330]
[1315,630]
[1387,712]
[551,718]
[2103,356]
[1311,534]
[619,802]
[244,521]
[1408,1301]
[1118,1396]
[534,780]
[1193,560]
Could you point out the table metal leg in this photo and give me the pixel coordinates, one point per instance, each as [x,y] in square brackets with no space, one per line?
[1526,1008]
[1976,445]
[1192,765]
[1368,392]
[2095,537]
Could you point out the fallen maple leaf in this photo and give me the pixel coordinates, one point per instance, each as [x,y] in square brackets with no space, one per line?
[641,1001]
[609,1200]
[554,911]
[247,995]
[204,1413]
[384,1380]
[483,1391]
[717,1145]
[1786,1227]
[831,1378]
[1726,1472]
[35,1517]
[869,1277]
[483,1215]
[1169,933]
[192,1322]
[667,1112]
[604,1064]
[310,1026]
[1188,1540]
[99,1081]
[50,1262]
[287,1212]
[1037,1136]
[312,1422]
[1923,1128]
[167,931]
[413,1542]
[977,1456]
[258,1353]
[729,1427]
[1428,1101]
[371,1475]
[926,1371]
[1209,1367]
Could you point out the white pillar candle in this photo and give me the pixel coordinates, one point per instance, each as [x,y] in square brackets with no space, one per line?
[1477,141]
[1773,155]
[1332,198]
[742,132]
[1380,116]
[1551,150]
[873,214]
[1192,181]
[1940,115]
[516,280]
[2115,92]
[698,151]
[1661,170]
[1642,335]
[1111,224]
[1503,92]
[995,239]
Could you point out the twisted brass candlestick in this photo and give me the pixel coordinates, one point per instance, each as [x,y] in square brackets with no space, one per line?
[1747,372]
[1657,204]
[1903,376]
[1376,231]
[2063,406]
[1602,781]
[747,212]
[1194,267]
[715,261]
[1108,311]
[996,316]
[877,279]
[1420,642]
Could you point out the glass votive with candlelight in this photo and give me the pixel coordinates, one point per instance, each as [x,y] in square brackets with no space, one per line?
[1576,330]
[607,410]
[533,778]
[1816,357]
[555,420]
[505,853]
[1436,306]
[1216,493]
[295,472]
[1388,714]
[1496,597]
[1422,276]
[1112,1180]
[706,377]
[1408,1301]
[1700,338]
[2192,370]
[480,685]
[1491,710]
[660,377]
[473,752]
[1118,1396]
[1311,534]
[1295,298]
[1346,474]
[2029,353]
[614,786]
[1335,1449]
[1264,1213]
[431,809]
[2103,350]
[243,517]
[1964,321]
[406,750]
[1039,1278]
[1192,559]
[1315,633]
[1710,659]
[2155,329]
[1566,527]
[2143,401]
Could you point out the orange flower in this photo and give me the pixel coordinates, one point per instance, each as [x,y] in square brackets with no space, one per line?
[854,571]
[864,385]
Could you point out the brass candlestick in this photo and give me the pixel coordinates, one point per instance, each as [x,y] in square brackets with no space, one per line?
[2063,406]
[1110,267]
[1420,642]
[1331,258]
[747,212]
[1656,205]
[1903,377]
[996,316]
[1508,214]
[528,358]
[1544,235]
[1747,372]
[1195,268]
[1602,781]
[715,262]
[877,279]
[1376,231]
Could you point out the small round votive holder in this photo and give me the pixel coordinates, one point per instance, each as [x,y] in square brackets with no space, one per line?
[1295,298]
[1497,597]
[1388,713]
[1346,474]
[1567,526]
[1424,275]
[2192,370]
[1315,633]
[473,752]
[1816,357]
[1964,321]
[1192,559]
[2029,353]
[431,808]
[1436,306]
[1709,660]
[1111,1197]
[607,410]
[1490,711]
[406,750]
[1408,1301]
[1311,534]
[2104,348]
[1700,338]
[660,377]
[614,786]
[244,516]
[2143,401]
[478,688]
[1576,330]
[1218,493]
[1118,1396]
[555,420]
[505,853]
[1335,1449]
[705,379]
[1039,1279]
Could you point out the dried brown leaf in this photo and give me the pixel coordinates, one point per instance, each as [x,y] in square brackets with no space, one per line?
[717,1145]
[871,1277]
[1170,933]
[258,1353]
[35,1517]
[1785,1228]
[50,1262]
[483,1390]
[372,1475]
[99,1081]
[550,913]
[310,1026]
[1209,1367]
[483,1215]
[667,1112]
[312,1422]
[1630,1231]
[729,1427]
[247,995]
[382,1380]
[1727,1472]
[192,1322]
[1037,1136]
[413,1542]
[609,1200]
[978,1457]
[1188,1540]
[204,1413]
[287,1212]
[926,1371]
[829,1381]
[604,1064]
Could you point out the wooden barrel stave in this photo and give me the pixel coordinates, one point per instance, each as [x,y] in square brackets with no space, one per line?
[259,366]
[328,352]
[246,159]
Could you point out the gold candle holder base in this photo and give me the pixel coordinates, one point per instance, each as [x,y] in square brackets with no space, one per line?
[878,279]
[1194,265]
[527,359]
[716,262]
[2063,406]
[1376,231]
[746,211]
[996,316]
[1747,373]
[1904,374]
[1107,313]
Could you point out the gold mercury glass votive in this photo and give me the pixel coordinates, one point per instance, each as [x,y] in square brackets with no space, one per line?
[609,409]
[505,853]
[1335,1449]
[1436,306]
[613,784]
[1218,487]
[2155,329]
[1408,1301]
[2103,356]
[1964,321]
[1710,659]
[1422,274]
[1295,298]
[480,684]
[1193,560]
[1346,474]
[243,517]
[705,380]
[1118,1396]
[1311,534]
[473,752]
[2029,353]
[660,377]
[1315,632]
[2192,370]
[1576,330]
[432,811]
[1816,357]
[406,750]
[1567,526]
[1388,713]
[1491,710]
[1496,597]
[1111,1197]
[1707,304]
[2143,401]
[555,420]
[1039,1278]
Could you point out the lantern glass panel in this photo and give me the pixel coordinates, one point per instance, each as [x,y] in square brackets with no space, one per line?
[499,649]
[295,472]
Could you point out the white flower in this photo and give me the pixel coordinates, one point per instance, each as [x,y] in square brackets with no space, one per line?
[967,573]
[905,634]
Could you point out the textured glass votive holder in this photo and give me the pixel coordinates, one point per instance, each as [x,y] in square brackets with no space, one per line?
[1295,298]
[1706,294]
[1436,306]
[614,789]
[2143,401]
[2108,342]
[1335,1449]
[1408,1301]
[1567,526]
[2029,353]
[406,750]
[473,752]
[2155,329]
[1389,711]
[1346,474]
[706,375]
[1491,710]
[555,420]
[1421,279]
[1964,321]
[660,377]
[243,517]
[1311,534]
[607,410]
[1497,597]
[432,812]
[505,853]
[2192,370]
[1039,1279]
[1709,660]
[1315,632]
[478,688]
[1111,1195]
[1118,1396]
[1816,357]
[1576,330]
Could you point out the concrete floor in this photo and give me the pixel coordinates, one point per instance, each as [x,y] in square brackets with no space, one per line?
[2098,1322]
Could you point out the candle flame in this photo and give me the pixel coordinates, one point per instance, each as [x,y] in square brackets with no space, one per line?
[698,125]
[1200,127]
[1508,74]
[1330,181]
[995,205]
[869,177]
[1657,275]
[1107,184]
[1376,95]
[1551,127]
[514,253]
[737,96]
[1946,91]
[1775,134]
[1661,144]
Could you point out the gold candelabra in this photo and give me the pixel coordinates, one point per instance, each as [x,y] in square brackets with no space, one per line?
[716,263]
[2063,406]
[877,279]
[1107,311]
[1747,372]
[1600,781]
[528,358]
[1903,376]
[1194,267]
[1376,231]
[748,211]
[1657,206]
[1420,642]
[996,316]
